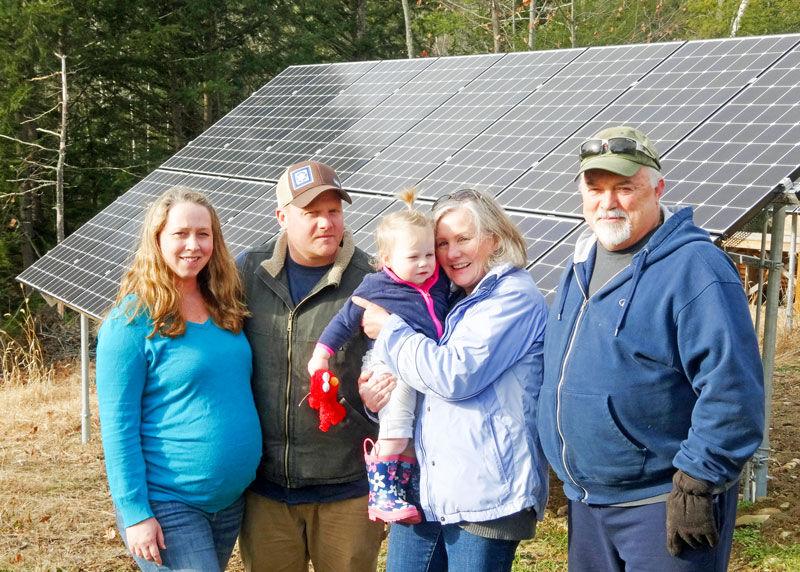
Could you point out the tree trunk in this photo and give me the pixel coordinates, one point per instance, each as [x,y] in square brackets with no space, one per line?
[496,25]
[409,37]
[206,108]
[62,152]
[360,27]
[738,19]
[27,208]
[532,26]
[177,126]
[572,25]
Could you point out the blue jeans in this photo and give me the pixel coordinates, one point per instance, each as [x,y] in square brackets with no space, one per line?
[615,539]
[197,541]
[432,547]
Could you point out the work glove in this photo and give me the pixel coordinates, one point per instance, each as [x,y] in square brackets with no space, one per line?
[690,514]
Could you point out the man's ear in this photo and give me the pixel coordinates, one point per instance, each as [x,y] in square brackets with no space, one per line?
[280,214]
[660,186]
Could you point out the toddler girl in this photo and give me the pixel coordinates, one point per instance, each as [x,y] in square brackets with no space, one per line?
[408,283]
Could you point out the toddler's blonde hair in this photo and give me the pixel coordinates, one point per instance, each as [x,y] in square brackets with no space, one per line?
[391,227]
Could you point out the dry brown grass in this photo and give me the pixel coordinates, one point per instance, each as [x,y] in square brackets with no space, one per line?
[787,348]
[22,358]
[55,512]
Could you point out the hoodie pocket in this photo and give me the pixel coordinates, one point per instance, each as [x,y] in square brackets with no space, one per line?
[598,451]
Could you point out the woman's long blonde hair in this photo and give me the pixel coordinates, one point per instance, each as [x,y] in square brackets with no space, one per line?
[153,283]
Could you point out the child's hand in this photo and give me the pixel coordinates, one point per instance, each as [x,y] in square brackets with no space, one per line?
[319,360]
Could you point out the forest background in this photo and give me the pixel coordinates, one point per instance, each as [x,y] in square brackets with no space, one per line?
[143,78]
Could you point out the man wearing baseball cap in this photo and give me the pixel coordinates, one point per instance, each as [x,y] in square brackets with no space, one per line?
[309,499]
[653,397]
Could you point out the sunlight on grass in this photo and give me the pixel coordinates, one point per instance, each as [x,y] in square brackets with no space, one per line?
[763,555]
[548,551]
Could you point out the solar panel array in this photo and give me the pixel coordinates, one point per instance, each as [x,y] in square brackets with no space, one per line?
[725,115]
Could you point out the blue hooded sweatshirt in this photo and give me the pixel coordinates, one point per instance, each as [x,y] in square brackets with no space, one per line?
[658,370]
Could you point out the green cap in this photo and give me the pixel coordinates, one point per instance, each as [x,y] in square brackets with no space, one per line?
[625,164]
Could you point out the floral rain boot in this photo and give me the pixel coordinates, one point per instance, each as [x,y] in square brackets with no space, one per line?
[389,478]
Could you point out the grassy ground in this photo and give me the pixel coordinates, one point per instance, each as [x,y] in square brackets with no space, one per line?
[55,512]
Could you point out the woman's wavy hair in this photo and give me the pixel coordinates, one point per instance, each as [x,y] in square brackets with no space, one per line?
[153,283]
[490,219]
[390,228]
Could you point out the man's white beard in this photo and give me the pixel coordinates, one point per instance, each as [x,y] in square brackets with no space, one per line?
[611,234]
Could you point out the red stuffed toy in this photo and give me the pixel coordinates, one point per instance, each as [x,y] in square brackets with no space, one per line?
[324,396]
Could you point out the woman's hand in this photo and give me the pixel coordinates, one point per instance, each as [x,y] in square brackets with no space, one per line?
[375,390]
[374,317]
[144,540]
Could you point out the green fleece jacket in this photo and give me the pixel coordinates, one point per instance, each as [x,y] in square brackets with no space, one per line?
[282,336]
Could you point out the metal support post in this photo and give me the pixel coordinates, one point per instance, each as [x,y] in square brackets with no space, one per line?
[792,265]
[85,414]
[760,460]
[761,271]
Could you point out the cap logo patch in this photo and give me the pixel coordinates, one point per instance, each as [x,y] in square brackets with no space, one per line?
[301,177]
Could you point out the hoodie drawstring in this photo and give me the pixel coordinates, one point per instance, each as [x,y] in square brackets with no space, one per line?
[565,291]
[626,302]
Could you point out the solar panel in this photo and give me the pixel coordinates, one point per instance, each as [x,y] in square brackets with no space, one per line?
[667,104]
[254,225]
[724,113]
[729,166]
[404,162]
[510,145]
[475,108]
[547,269]
[236,144]
[353,103]
[542,233]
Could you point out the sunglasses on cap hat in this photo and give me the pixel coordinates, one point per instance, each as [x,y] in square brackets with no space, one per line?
[616,146]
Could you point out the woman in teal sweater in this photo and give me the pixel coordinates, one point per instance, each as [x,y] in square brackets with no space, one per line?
[180,431]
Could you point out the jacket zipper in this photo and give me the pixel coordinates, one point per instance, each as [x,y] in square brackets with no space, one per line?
[289,383]
[447,319]
[560,387]
[288,394]
[561,379]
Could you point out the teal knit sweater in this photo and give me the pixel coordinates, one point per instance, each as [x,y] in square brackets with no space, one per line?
[177,416]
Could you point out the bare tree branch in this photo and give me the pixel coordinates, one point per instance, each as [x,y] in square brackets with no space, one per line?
[29,191]
[20,141]
[53,133]
[122,169]
[28,179]
[43,77]
[42,114]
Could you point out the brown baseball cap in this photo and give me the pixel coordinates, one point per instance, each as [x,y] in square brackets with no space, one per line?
[302,182]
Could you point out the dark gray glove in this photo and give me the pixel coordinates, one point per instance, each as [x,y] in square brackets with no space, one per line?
[690,514]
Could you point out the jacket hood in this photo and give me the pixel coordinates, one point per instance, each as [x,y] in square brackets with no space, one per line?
[277,261]
[494,274]
[676,231]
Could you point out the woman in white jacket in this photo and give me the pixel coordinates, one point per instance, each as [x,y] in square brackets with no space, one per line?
[483,477]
